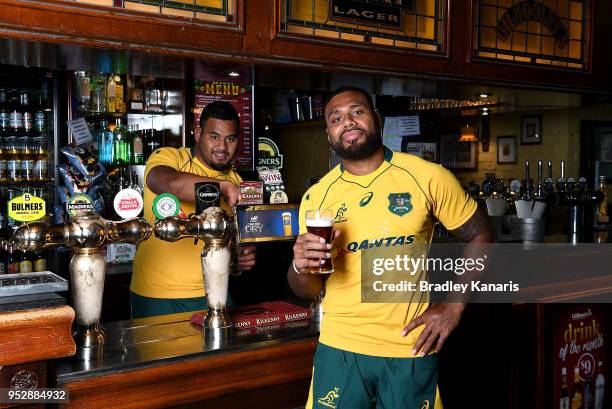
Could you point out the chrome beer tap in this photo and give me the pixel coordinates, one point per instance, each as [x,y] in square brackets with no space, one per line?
[218,232]
[85,234]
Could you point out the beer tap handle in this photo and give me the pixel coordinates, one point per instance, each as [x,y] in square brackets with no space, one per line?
[527,184]
[550,169]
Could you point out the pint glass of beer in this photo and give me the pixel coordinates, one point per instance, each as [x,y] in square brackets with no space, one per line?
[321,222]
[287,223]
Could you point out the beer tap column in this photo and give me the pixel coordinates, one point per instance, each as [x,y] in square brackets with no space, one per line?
[85,234]
[217,230]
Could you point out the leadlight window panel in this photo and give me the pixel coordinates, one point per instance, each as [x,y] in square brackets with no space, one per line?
[530,41]
[218,11]
[423,29]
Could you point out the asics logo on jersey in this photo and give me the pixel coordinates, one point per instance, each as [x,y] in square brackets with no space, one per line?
[366,199]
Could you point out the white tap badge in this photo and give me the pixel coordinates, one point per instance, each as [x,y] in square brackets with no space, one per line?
[128,203]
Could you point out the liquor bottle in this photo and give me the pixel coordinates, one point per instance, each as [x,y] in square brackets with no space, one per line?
[111,92]
[40,262]
[83,91]
[119,144]
[137,147]
[600,383]
[105,143]
[10,222]
[135,92]
[129,157]
[578,390]
[119,95]
[25,263]
[98,92]
[11,261]
[564,401]
[561,185]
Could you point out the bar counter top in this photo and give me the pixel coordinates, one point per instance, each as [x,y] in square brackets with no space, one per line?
[168,361]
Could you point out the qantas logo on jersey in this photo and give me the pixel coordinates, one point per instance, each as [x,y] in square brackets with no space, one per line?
[390,241]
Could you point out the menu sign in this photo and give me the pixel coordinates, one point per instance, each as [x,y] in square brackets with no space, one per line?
[240,96]
[580,367]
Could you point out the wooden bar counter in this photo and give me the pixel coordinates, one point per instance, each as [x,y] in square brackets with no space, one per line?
[167,361]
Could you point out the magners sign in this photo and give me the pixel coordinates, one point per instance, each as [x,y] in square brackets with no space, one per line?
[26,208]
[379,13]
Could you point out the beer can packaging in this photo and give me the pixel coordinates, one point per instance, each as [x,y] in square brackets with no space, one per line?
[251,193]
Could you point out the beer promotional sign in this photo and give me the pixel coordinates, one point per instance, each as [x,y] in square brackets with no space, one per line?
[269,154]
[580,367]
[267,223]
[239,94]
[26,208]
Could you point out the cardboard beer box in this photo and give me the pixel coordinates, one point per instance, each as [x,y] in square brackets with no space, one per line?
[263,314]
[251,193]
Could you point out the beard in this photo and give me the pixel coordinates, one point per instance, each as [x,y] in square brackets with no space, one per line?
[219,166]
[358,150]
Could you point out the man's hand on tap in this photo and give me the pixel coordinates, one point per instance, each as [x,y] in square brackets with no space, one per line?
[246,258]
[230,191]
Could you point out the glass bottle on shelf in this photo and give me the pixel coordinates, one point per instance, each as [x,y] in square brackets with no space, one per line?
[105,143]
[135,94]
[3,162]
[119,95]
[40,262]
[83,91]
[24,107]
[12,263]
[120,144]
[27,159]
[111,92]
[15,113]
[98,92]
[4,111]
[25,262]
[3,255]
[137,147]
[41,173]
[13,161]
[40,122]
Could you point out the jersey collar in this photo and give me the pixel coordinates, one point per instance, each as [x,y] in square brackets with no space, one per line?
[366,179]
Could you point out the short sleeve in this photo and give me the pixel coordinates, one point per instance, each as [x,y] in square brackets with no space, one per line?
[452,206]
[163,156]
[306,204]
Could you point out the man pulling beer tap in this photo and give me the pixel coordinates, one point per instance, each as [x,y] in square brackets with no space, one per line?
[167,276]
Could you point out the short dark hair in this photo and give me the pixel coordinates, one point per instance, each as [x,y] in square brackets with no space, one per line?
[350,88]
[219,110]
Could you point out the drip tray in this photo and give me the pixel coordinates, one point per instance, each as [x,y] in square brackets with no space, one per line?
[31,283]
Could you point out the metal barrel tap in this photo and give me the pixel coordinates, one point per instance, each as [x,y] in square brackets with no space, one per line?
[218,231]
[85,234]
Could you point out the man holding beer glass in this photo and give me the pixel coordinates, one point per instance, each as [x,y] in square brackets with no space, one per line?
[383,354]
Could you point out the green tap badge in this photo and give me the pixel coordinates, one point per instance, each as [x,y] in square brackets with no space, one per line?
[166,205]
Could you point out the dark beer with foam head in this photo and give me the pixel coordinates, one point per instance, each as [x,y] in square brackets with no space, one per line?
[320,223]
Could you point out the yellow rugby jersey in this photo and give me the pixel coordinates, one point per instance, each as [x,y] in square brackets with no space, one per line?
[173,270]
[396,205]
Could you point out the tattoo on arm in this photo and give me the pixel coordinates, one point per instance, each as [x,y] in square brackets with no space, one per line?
[477,224]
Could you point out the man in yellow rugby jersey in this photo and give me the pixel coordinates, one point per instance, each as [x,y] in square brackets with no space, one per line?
[377,355]
[167,277]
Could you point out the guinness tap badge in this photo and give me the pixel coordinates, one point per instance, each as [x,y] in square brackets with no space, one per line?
[208,194]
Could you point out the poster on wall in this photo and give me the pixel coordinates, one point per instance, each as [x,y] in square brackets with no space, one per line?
[580,366]
[240,95]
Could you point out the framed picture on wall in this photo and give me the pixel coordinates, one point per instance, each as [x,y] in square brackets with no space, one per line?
[457,155]
[506,149]
[531,129]
[606,148]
